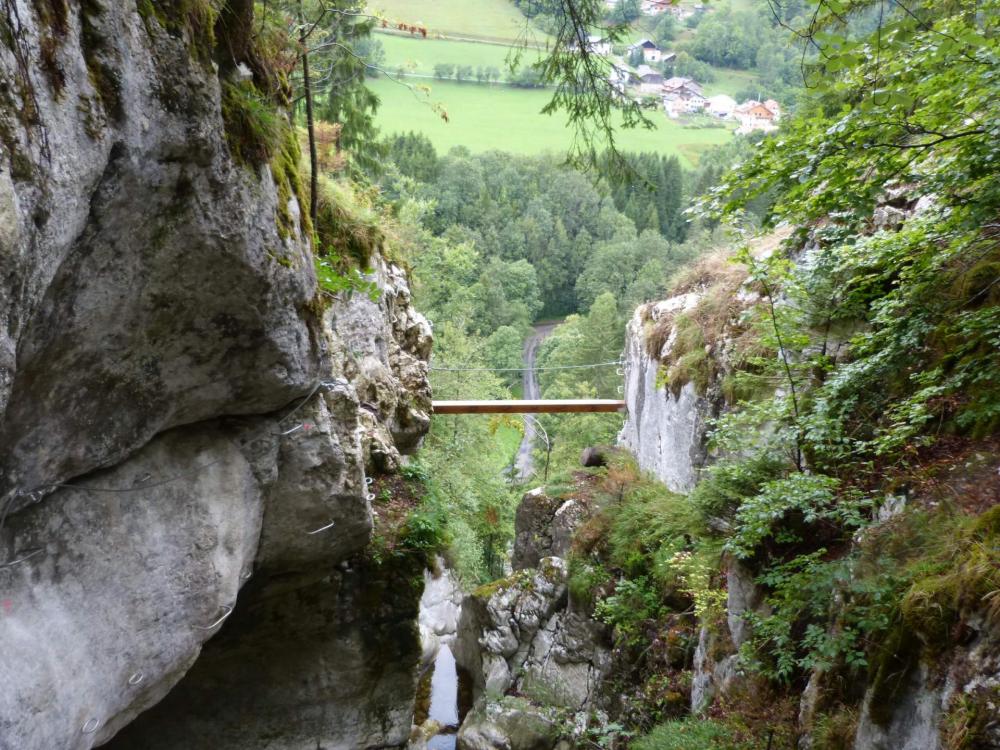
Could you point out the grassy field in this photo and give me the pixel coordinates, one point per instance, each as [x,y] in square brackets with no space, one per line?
[508,441]
[729,81]
[482,118]
[493,18]
[421,55]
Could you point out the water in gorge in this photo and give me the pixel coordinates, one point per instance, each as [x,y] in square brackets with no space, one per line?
[444,700]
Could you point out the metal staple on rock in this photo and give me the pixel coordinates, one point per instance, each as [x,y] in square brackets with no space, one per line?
[227,610]
[91,726]
[136,678]
[322,528]
[24,555]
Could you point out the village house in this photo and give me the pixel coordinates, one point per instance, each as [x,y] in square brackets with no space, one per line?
[655,7]
[651,53]
[753,115]
[596,45]
[721,106]
[682,88]
[650,80]
[682,96]
[684,12]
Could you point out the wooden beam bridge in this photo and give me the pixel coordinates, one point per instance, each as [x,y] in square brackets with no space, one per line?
[529,407]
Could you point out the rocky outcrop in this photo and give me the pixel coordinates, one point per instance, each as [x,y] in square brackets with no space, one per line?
[528,657]
[322,646]
[334,662]
[185,431]
[716,663]
[509,723]
[940,704]
[664,431]
[531,657]
[544,527]
[146,282]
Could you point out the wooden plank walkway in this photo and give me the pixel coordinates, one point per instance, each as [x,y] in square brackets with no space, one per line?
[529,407]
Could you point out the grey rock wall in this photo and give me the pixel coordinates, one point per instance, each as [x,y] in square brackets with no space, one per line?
[664,432]
[184,438]
[140,258]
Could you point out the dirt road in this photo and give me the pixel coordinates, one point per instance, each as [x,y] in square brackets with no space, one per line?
[524,465]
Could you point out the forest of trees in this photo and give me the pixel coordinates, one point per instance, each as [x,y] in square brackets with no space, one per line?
[498,241]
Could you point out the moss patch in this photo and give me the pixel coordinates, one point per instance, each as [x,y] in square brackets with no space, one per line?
[936,607]
[54,17]
[255,130]
[98,53]
[347,225]
[192,20]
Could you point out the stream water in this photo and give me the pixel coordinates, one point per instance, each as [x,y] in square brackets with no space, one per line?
[444,700]
[441,696]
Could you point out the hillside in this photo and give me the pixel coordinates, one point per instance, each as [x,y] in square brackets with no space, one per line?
[478,38]
[485,117]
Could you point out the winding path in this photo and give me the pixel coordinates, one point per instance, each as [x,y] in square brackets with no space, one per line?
[524,464]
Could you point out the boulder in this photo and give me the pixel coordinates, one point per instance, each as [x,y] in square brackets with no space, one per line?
[595,456]
[509,724]
[544,527]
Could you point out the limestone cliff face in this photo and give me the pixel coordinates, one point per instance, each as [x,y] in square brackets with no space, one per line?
[184,437]
[664,431]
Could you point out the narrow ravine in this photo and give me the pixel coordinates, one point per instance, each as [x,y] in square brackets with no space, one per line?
[524,464]
[440,607]
[444,700]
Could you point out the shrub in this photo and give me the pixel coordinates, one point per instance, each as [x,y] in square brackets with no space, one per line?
[586,579]
[254,127]
[633,603]
[783,504]
[689,734]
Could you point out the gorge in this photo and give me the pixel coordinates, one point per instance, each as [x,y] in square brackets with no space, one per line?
[230,520]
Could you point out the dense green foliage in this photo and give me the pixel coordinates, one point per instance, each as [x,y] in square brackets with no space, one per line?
[886,334]
[537,211]
[494,243]
[861,354]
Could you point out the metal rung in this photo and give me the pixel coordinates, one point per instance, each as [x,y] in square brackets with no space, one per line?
[529,407]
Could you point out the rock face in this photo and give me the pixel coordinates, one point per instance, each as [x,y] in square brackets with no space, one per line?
[530,655]
[178,420]
[140,257]
[961,695]
[322,647]
[665,432]
[544,527]
[517,637]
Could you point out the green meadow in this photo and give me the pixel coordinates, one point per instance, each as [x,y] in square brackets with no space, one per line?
[418,55]
[490,18]
[505,118]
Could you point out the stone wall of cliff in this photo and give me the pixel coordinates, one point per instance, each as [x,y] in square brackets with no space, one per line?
[186,428]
